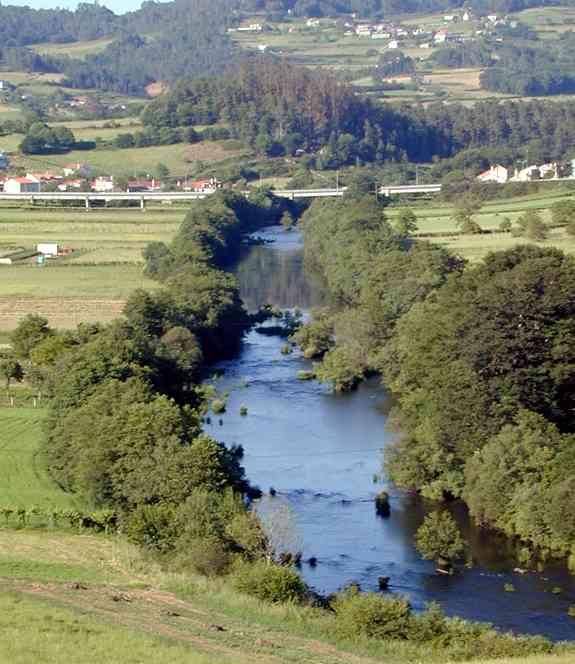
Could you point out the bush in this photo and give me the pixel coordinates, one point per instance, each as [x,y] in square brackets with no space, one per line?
[208,557]
[270,583]
[439,538]
[218,406]
[372,615]
[153,527]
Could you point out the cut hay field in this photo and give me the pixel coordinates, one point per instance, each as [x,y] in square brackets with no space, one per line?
[74,49]
[434,221]
[179,158]
[94,281]
[23,481]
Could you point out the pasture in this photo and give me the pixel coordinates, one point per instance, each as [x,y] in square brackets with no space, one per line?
[92,283]
[180,158]
[23,481]
[78,49]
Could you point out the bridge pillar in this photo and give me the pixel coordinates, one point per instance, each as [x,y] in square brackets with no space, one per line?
[142,204]
[87,202]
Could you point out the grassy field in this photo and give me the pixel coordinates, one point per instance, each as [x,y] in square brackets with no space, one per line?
[23,483]
[74,49]
[84,598]
[94,281]
[180,158]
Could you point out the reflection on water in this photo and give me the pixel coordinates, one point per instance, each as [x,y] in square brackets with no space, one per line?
[321,450]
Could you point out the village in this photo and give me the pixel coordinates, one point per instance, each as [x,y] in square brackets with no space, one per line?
[81,177]
[392,35]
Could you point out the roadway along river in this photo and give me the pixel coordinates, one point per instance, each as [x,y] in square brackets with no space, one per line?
[320,452]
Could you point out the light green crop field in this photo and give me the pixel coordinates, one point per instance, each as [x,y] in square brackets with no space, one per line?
[74,49]
[549,22]
[23,481]
[94,281]
[179,158]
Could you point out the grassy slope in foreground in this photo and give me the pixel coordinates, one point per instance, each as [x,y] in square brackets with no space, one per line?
[126,609]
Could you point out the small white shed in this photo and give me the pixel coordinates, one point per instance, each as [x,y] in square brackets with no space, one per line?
[47,249]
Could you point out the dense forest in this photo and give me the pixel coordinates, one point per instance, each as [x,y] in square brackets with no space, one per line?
[480,361]
[278,109]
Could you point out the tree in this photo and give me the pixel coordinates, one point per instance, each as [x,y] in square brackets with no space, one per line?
[30,331]
[287,220]
[406,223]
[506,225]
[531,225]
[11,369]
[563,214]
[162,171]
[438,538]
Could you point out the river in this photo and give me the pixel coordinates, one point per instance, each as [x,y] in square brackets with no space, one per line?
[320,451]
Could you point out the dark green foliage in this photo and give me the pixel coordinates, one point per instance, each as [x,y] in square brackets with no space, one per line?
[152,527]
[10,370]
[373,615]
[41,139]
[270,583]
[30,331]
[439,538]
[382,504]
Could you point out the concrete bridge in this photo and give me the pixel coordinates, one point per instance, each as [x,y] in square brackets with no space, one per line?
[88,198]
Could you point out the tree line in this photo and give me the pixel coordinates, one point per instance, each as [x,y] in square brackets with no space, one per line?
[479,359]
[278,108]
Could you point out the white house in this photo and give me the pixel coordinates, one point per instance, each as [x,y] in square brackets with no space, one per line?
[393,44]
[103,183]
[20,185]
[549,170]
[467,16]
[440,37]
[380,35]
[77,168]
[496,173]
[526,174]
[49,249]
[425,45]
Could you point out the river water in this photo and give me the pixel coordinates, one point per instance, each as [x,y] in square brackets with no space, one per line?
[320,451]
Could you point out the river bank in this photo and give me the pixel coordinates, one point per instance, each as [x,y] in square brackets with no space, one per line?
[319,451]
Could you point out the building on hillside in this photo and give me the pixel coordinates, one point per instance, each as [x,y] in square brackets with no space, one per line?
[43,176]
[549,171]
[203,186]
[78,169]
[441,37]
[496,173]
[143,186]
[467,16]
[21,185]
[103,183]
[70,185]
[380,35]
[48,249]
[393,44]
[526,174]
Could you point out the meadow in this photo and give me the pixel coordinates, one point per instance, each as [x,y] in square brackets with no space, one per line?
[181,158]
[23,481]
[93,282]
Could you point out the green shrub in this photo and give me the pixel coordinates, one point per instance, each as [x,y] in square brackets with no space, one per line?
[243,411]
[438,537]
[371,614]
[270,583]
[509,588]
[153,527]
[208,557]
[218,406]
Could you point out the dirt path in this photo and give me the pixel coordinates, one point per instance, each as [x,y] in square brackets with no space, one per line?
[163,614]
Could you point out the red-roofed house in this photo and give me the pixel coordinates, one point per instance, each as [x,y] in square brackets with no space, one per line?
[78,169]
[19,185]
[203,186]
[496,173]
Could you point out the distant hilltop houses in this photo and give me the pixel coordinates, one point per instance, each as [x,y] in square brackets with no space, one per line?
[550,171]
[80,177]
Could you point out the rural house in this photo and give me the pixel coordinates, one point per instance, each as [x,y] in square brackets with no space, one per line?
[20,185]
[496,173]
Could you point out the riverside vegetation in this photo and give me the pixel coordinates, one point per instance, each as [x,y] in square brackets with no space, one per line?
[179,495]
[480,360]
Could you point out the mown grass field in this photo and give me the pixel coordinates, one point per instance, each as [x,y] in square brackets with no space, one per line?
[180,158]
[23,481]
[95,280]
[74,49]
